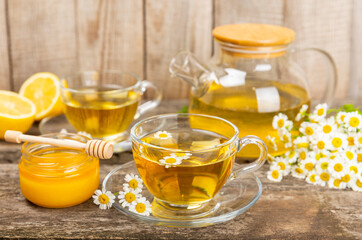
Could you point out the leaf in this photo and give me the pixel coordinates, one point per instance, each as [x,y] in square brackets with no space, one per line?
[184,109]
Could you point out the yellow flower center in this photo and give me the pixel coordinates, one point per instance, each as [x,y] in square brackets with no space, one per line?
[349,155]
[321,145]
[350,141]
[359,183]
[342,117]
[298,170]
[103,199]
[320,112]
[285,138]
[291,154]
[133,183]
[280,123]
[360,140]
[302,145]
[130,197]
[170,160]
[319,156]
[325,177]
[309,166]
[336,182]
[312,178]
[140,207]
[359,157]
[324,165]
[309,131]
[337,142]
[327,129]
[354,122]
[281,165]
[346,178]
[354,169]
[163,135]
[302,155]
[338,167]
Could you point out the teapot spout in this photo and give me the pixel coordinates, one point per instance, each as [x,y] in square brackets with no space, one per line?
[187,67]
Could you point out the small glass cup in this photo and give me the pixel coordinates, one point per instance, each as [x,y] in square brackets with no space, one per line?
[103,104]
[184,162]
[56,177]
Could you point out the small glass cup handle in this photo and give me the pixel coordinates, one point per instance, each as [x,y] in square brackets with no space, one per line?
[251,167]
[151,104]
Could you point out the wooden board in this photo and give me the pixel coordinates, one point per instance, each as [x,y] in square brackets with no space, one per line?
[172,26]
[42,35]
[5,79]
[327,25]
[110,35]
[355,85]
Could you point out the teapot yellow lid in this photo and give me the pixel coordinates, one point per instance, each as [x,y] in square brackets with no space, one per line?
[252,34]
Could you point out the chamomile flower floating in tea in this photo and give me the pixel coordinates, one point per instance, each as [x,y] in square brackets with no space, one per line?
[141,206]
[128,196]
[324,151]
[162,135]
[103,198]
[134,182]
[170,161]
[181,155]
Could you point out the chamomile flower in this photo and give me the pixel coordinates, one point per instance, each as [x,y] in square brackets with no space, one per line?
[320,143]
[271,141]
[308,165]
[162,135]
[311,178]
[181,155]
[337,168]
[128,196]
[283,165]
[359,157]
[349,154]
[134,182]
[292,156]
[308,129]
[338,141]
[347,178]
[103,198]
[170,161]
[298,172]
[281,121]
[336,183]
[275,174]
[352,139]
[322,165]
[353,121]
[340,117]
[303,154]
[141,206]
[301,113]
[301,142]
[358,139]
[356,184]
[323,178]
[319,112]
[327,126]
[286,138]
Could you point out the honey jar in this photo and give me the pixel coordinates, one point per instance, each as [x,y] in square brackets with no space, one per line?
[57,177]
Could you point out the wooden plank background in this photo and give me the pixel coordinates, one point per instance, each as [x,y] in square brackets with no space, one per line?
[141,36]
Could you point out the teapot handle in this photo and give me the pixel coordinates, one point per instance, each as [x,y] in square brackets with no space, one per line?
[332,79]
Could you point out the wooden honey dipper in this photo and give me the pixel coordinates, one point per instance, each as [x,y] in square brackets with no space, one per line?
[95,148]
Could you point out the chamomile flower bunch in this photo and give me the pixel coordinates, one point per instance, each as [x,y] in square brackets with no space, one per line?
[322,149]
[130,196]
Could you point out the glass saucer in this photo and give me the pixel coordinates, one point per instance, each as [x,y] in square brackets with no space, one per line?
[57,123]
[234,198]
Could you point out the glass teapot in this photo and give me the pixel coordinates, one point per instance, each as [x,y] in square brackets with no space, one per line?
[253,79]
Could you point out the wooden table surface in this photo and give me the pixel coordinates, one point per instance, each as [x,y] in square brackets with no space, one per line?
[291,209]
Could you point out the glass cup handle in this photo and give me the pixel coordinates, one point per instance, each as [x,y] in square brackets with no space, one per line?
[150,104]
[251,167]
[331,84]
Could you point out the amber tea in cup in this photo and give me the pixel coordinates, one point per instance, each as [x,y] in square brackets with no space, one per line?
[184,163]
[104,104]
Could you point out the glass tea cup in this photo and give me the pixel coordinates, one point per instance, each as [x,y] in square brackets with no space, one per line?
[184,160]
[103,104]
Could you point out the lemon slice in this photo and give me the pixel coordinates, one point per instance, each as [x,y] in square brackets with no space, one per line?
[44,91]
[16,112]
